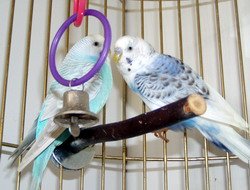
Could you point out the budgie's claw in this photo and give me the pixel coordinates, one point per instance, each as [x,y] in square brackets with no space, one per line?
[162,134]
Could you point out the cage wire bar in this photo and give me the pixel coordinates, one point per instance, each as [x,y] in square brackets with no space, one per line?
[222,83]
[6,75]
[144,137]
[185,131]
[67,48]
[201,72]
[124,158]
[104,122]
[25,82]
[82,170]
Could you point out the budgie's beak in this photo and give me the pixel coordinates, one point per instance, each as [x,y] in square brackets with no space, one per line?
[117,55]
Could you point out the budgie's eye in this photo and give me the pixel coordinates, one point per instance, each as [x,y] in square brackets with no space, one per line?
[96,44]
[130,48]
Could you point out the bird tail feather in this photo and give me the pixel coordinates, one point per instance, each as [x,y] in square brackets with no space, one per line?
[27,142]
[39,167]
[36,183]
[225,138]
[220,111]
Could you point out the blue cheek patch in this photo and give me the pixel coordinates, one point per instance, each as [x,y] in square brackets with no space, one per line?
[129,61]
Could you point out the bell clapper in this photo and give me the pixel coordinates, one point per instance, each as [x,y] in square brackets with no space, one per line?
[74,127]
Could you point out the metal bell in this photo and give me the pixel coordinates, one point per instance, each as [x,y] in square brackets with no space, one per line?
[75,113]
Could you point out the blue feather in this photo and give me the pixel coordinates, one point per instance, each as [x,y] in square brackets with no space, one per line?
[42,160]
[212,131]
[166,63]
[76,64]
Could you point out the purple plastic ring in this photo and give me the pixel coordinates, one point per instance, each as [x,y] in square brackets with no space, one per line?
[99,63]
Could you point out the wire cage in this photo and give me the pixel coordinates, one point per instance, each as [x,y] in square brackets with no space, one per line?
[212,36]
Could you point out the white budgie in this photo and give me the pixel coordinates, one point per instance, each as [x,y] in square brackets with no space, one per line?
[161,79]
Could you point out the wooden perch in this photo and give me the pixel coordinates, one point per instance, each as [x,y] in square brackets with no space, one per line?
[163,117]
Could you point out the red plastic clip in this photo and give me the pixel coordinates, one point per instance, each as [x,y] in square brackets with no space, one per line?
[79,8]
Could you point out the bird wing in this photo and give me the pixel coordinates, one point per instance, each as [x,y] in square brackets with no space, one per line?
[103,88]
[166,80]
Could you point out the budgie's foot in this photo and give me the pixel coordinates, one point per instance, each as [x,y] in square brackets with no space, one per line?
[162,134]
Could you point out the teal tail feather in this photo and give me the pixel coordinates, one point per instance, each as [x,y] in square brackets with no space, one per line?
[42,160]
[35,184]
[39,167]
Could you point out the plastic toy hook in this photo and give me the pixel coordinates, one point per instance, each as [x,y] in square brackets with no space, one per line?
[79,9]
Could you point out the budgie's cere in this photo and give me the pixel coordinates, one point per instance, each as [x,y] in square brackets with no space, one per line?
[161,79]
[79,60]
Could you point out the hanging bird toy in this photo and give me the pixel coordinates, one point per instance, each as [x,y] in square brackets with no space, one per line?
[75,113]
